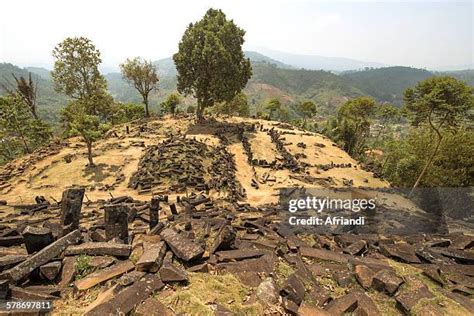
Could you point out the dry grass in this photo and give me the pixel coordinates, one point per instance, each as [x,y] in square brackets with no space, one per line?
[204,290]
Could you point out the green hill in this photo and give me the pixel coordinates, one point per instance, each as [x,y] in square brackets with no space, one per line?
[386,84]
[270,79]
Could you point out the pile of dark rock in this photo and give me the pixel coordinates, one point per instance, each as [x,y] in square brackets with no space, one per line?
[177,162]
[289,161]
[222,174]
[135,249]
[181,163]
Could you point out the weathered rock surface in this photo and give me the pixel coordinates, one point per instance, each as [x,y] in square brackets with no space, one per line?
[182,247]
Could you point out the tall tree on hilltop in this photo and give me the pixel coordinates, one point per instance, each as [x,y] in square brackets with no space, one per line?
[141,74]
[79,121]
[441,103]
[210,62]
[76,68]
[76,74]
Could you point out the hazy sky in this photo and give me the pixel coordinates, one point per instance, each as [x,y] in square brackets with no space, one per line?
[415,33]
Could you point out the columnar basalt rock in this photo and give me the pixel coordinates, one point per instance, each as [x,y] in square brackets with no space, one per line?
[36,238]
[71,205]
[154,211]
[116,221]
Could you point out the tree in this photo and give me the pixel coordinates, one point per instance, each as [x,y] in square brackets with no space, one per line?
[128,112]
[141,74]
[77,75]
[76,72]
[80,122]
[307,109]
[237,106]
[441,103]
[273,106]
[210,62]
[171,102]
[20,132]
[26,90]
[386,113]
[353,121]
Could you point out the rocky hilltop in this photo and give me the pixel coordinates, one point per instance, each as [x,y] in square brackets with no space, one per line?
[178,217]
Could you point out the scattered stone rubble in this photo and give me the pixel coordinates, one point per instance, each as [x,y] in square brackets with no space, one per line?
[134,254]
[181,163]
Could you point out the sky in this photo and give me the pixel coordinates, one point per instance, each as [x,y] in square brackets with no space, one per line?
[422,34]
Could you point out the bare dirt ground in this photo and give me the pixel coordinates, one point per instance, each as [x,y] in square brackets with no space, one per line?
[117,157]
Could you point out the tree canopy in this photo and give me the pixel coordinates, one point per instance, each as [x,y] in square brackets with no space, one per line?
[210,62]
[171,102]
[353,120]
[441,103]
[141,74]
[76,68]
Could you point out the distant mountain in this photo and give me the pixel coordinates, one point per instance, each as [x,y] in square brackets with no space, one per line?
[465,75]
[315,62]
[387,84]
[271,79]
[41,72]
[256,57]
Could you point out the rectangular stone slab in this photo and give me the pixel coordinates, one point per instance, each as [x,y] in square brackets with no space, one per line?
[43,256]
[126,300]
[99,249]
[104,275]
[323,254]
[152,258]
[68,271]
[182,247]
[238,254]
[23,294]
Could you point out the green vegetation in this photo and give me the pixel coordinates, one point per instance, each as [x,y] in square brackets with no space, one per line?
[442,103]
[171,102]
[237,106]
[141,74]
[210,61]
[351,127]
[76,69]
[128,112]
[76,74]
[387,84]
[82,266]
[20,131]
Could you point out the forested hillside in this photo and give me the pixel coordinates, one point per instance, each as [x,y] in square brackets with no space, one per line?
[387,84]
[270,79]
[48,100]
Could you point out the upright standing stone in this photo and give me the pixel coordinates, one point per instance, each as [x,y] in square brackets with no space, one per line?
[154,211]
[71,205]
[116,222]
[173,209]
[36,238]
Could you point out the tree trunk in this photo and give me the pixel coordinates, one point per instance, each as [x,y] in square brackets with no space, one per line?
[428,164]
[145,101]
[89,154]
[199,113]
